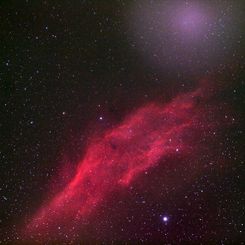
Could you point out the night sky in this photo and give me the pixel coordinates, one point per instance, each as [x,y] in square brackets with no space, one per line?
[122,122]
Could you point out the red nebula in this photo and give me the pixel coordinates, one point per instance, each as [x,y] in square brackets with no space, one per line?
[116,158]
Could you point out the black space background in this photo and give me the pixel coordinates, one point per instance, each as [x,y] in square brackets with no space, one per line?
[63,64]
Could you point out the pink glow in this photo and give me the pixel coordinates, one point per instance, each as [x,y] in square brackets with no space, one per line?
[116,158]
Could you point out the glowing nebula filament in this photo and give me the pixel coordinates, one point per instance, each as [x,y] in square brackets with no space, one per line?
[117,157]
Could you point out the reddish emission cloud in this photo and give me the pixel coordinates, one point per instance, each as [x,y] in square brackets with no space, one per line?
[121,154]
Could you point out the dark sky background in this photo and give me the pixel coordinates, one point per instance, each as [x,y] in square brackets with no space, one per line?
[65,64]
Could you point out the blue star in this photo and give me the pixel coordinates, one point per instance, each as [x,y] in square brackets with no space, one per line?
[165,218]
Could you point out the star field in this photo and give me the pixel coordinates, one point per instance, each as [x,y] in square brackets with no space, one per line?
[122,122]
